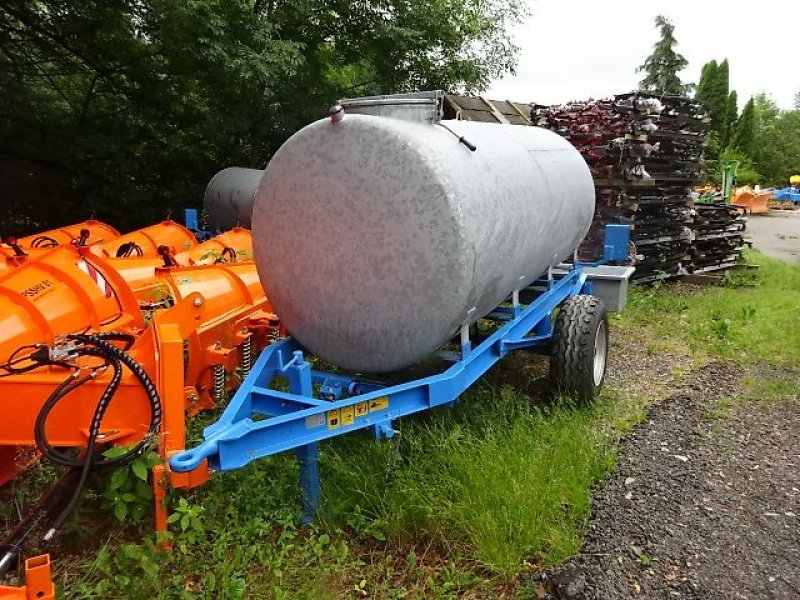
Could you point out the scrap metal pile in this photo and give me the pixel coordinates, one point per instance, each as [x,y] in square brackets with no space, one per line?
[718,236]
[645,153]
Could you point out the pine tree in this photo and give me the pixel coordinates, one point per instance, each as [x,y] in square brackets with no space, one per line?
[712,90]
[731,114]
[661,68]
[745,129]
[707,75]
[720,88]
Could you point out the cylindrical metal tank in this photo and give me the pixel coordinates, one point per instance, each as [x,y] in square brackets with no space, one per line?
[377,238]
[228,200]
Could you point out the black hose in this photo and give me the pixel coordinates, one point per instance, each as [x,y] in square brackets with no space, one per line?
[46,508]
[129,249]
[228,253]
[43,241]
[114,357]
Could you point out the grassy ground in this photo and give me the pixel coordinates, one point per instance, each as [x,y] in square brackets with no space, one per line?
[466,502]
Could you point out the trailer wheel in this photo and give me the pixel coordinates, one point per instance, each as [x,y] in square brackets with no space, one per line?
[580,343]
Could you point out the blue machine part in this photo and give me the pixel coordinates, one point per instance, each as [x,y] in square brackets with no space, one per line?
[261,420]
[789,194]
[191,219]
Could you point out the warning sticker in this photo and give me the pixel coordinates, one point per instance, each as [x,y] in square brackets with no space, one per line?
[348,415]
[315,421]
[379,403]
[362,408]
[98,279]
[334,418]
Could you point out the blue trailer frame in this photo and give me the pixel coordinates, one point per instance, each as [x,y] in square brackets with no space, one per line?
[260,420]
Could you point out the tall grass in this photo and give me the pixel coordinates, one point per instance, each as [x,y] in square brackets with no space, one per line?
[499,480]
[753,318]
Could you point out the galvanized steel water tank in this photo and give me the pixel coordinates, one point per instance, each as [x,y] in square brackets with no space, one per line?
[228,200]
[378,238]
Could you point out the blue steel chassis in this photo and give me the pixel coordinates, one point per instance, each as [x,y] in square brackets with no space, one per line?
[260,420]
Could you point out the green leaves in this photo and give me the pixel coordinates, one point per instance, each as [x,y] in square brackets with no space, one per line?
[127,493]
[139,469]
[128,108]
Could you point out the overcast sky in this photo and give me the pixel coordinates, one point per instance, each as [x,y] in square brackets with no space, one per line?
[577,49]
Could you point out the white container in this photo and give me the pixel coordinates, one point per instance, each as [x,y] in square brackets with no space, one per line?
[377,238]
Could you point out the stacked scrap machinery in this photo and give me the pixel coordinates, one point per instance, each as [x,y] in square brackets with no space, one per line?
[88,360]
[645,153]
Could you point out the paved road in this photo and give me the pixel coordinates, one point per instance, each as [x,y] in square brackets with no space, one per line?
[776,234]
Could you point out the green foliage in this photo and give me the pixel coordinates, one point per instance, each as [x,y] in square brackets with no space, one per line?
[127,108]
[746,173]
[731,118]
[744,136]
[661,68]
[713,90]
[776,141]
[720,88]
[127,492]
[704,85]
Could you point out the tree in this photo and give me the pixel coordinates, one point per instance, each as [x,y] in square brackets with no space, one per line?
[661,68]
[128,107]
[707,75]
[731,116]
[712,90]
[776,143]
[720,89]
[744,135]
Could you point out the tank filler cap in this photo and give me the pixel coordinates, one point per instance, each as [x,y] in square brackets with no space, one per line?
[336,113]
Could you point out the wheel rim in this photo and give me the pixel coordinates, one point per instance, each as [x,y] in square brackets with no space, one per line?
[600,354]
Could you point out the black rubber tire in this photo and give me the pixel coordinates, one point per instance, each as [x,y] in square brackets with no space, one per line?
[581,319]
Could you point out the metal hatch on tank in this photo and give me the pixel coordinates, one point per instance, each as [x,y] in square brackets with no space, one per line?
[378,237]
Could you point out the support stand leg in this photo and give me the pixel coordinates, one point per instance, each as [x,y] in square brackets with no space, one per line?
[308,461]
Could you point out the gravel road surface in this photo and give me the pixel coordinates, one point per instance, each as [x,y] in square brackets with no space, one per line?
[704,503]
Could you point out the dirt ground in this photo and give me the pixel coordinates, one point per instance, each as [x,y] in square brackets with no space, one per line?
[704,503]
[776,234]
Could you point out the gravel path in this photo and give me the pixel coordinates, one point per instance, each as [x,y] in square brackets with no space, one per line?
[700,505]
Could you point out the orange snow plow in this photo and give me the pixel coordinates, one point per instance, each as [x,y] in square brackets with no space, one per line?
[146,241]
[87,366]
[62,292]
[87,232]
[13,251]
[755,201]
[81,369]
[141,273]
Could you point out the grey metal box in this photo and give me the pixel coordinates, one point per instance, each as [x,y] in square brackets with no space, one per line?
[610,284]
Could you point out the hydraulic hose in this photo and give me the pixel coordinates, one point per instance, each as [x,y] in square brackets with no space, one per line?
[45,509]
[115,358]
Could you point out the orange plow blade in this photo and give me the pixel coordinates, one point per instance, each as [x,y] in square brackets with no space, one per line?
[145,242]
